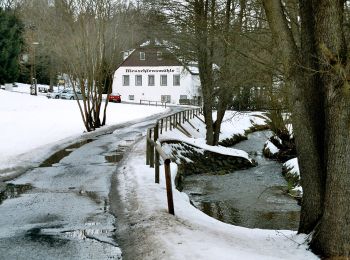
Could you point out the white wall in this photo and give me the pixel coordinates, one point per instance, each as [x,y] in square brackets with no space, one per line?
[189,84]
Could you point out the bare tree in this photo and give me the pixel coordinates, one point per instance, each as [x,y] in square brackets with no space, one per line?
[82,37]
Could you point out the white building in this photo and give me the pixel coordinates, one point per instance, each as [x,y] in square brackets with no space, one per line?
[152,73]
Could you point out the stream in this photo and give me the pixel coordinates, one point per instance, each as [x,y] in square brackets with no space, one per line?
[253,198]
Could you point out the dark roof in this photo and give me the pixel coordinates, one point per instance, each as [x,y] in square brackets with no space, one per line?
[151,59]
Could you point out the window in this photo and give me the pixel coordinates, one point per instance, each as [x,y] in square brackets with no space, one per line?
[159,55]
[163,80]
[126,80]
[131,97]
[150,80]
[138,80]
[165,98]
[183,96]
[142,55]
[176,80]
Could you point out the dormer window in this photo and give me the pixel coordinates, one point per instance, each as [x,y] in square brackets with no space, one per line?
[142,55]
[159,55]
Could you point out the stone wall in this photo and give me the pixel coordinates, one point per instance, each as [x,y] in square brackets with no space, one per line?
[193,160]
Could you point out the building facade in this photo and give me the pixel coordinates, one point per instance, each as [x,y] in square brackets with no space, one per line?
[152,73]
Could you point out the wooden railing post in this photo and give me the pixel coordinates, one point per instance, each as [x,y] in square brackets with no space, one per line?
[161,125]
[169,190]
[148,149]
[151,161]
[156,135]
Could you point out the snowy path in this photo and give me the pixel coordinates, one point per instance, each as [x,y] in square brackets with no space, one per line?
[63,211]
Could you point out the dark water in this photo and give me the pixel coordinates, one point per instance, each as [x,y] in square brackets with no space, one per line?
[253,198]
[58,156]
[9,190]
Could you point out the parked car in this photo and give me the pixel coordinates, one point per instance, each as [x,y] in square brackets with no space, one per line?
[43,89]
[56,94]
[115,98]
[71,95]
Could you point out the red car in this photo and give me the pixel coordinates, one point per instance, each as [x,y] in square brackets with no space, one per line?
[115,98]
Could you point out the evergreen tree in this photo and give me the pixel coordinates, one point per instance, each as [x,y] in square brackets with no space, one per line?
[11,42]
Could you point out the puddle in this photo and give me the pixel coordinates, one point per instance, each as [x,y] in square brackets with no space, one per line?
[117,155]
[94,196]
[11,191]
[36,235]
[58,156]
[114,158]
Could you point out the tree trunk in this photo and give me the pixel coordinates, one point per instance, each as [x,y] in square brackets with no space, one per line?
[204,52]
[308,125]
[331,238]
[305,127]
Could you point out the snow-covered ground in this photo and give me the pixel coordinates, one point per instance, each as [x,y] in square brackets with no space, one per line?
[29,122]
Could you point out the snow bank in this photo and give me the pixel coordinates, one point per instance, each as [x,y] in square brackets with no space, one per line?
[234,123]
[291,171]
[237,123]
[176,135]
[270,148]
[293,166]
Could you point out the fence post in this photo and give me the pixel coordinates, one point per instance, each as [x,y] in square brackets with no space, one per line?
[161,125]
[183,117]
[155,136]
[151,161]
[166,124]
[169,190]
[148,148]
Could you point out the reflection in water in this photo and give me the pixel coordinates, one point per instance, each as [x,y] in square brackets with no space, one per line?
[13,191]
[114,158]
[58,156]
[220,211]
[253,198]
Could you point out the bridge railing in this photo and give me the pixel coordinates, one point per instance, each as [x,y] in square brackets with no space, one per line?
[154,149]
[153,102]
